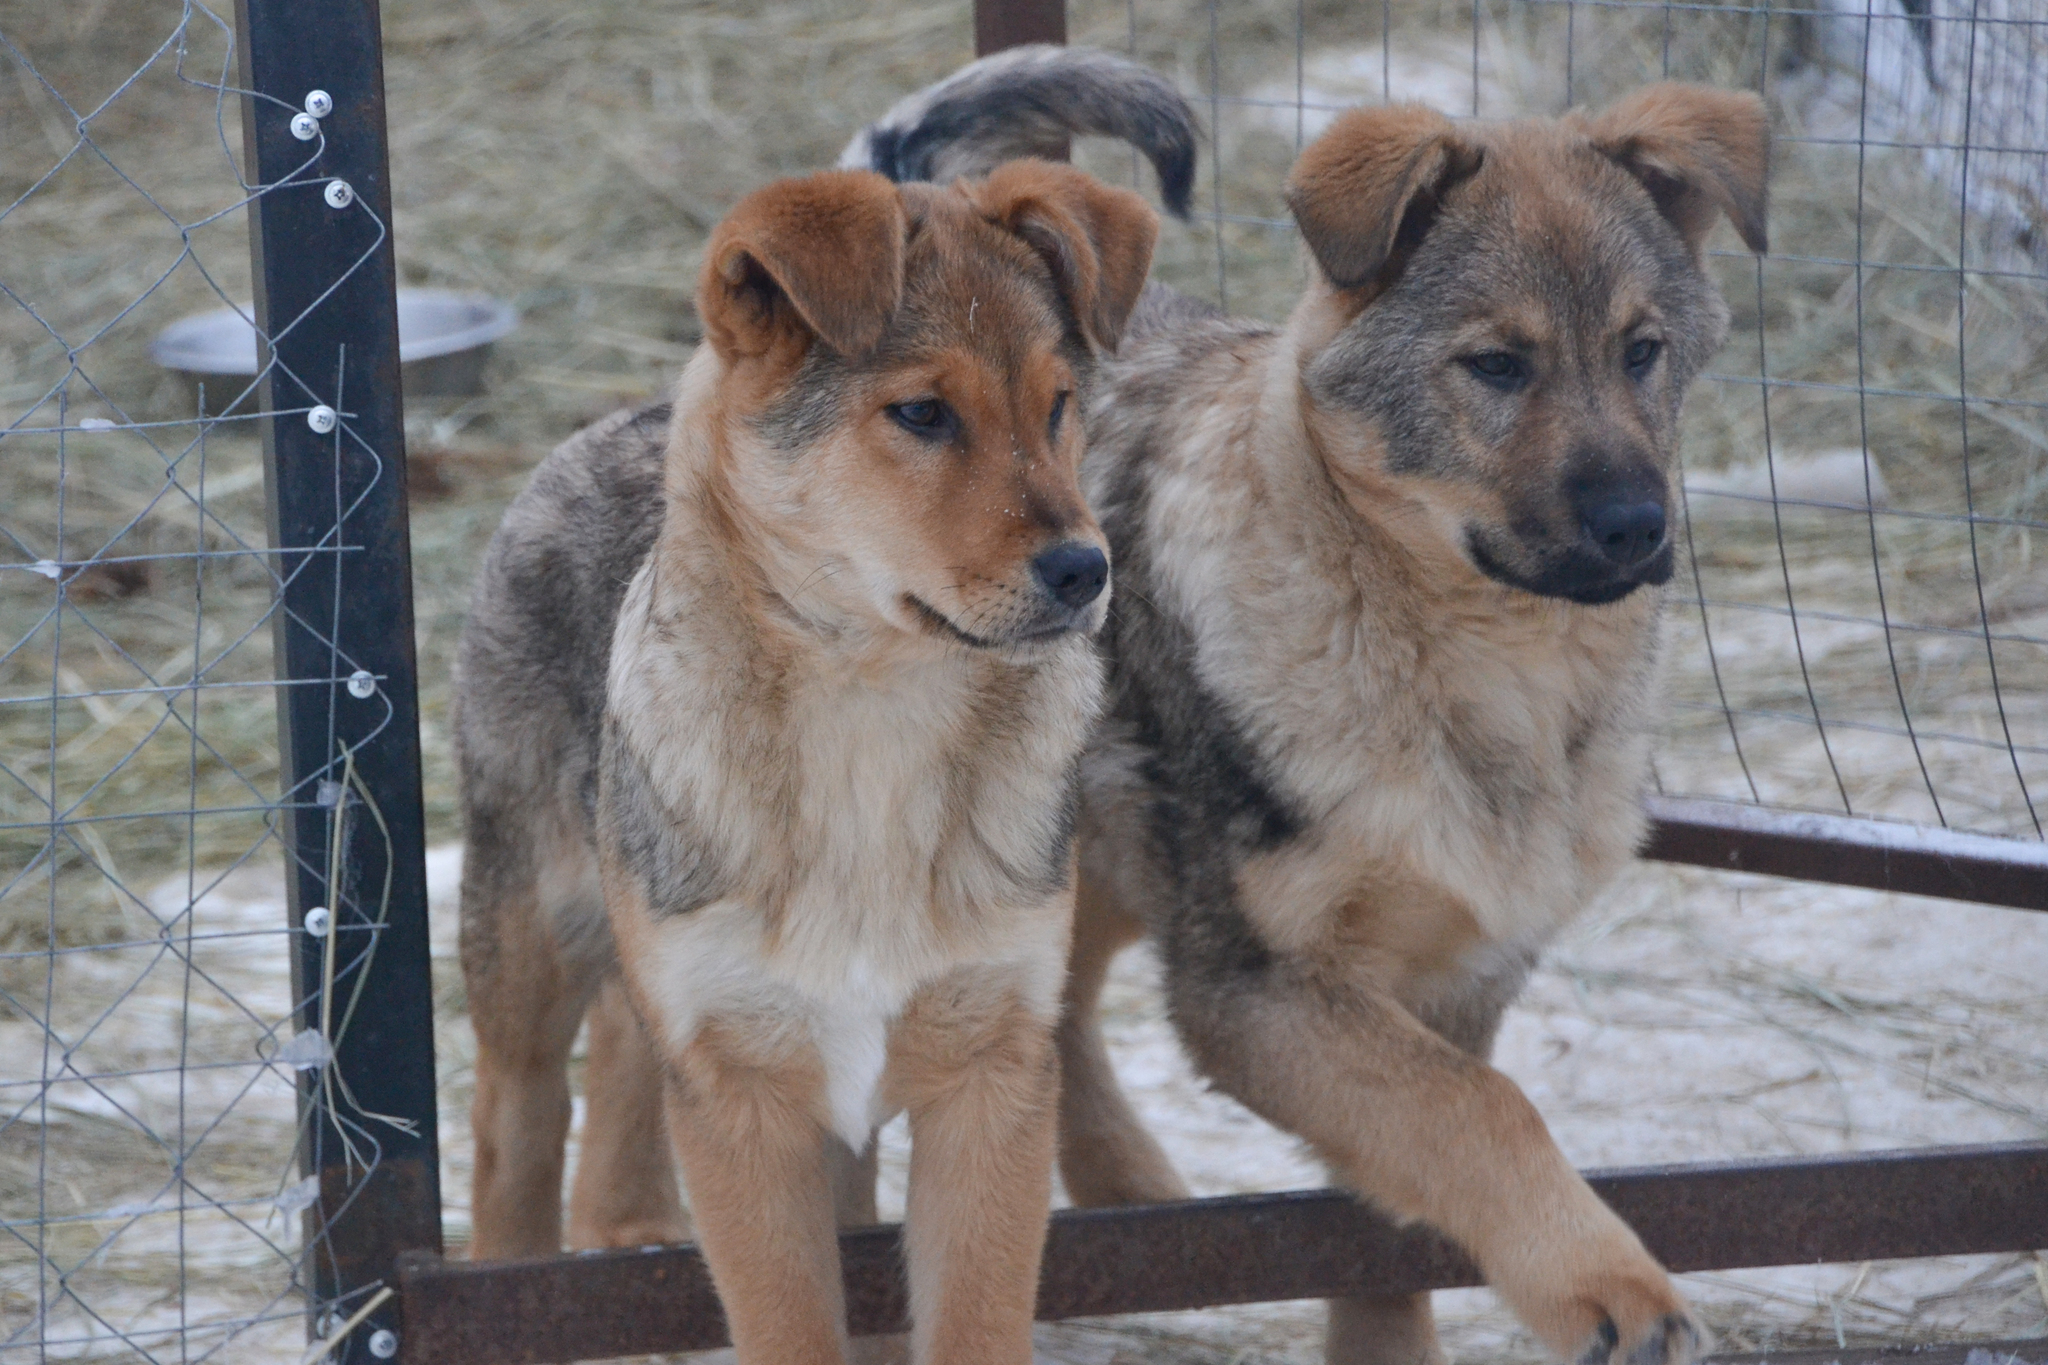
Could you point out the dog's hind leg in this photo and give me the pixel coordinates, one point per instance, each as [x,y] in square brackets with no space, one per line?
[525,1001]
[625,1189]
[853,1206]
[1429,1132]
[1382,1329]
[1106,1155]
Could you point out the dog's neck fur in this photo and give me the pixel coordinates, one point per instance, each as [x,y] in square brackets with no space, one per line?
[724,552]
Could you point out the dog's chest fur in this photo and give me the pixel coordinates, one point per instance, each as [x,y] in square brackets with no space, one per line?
[819,832]
[1436,774]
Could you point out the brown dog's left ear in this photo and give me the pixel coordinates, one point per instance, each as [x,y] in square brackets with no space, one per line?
[1698,151]
[1096,239]
[1366,191]
[818,256]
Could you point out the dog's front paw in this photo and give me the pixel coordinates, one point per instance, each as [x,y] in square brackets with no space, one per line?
[1610,1304]
[1671,1339]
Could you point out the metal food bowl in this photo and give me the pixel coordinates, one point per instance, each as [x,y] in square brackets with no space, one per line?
[444,339]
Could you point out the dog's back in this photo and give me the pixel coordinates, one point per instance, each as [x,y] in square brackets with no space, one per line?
[529,709]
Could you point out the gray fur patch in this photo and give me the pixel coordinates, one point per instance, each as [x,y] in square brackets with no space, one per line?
[1213,800]
[1164,309]
[810,405]
[674,865]
[536,647]
[1470,1017]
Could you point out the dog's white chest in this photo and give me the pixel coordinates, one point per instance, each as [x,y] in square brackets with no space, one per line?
[861,869]
[843,994]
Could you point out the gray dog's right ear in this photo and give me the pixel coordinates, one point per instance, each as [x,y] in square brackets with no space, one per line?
[1365,191]
[1699,151]
[820,256]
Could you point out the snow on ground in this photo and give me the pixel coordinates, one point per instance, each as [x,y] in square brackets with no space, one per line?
[1696,1016]
[1691,1016]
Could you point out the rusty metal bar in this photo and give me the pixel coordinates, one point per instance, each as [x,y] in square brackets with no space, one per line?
[1849,852]
[1255,1248]
[2033,1351]
[1012,23]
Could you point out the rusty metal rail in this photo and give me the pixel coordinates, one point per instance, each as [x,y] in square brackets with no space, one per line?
[2030,1352]
[1254,1248]
[1850,852]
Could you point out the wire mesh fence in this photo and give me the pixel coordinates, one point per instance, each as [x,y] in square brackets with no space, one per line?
[1858,624]
[177,1143]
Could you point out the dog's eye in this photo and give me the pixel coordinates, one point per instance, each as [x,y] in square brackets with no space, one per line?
[1059,410]
[1502,369]
[1641,354]
[921,416]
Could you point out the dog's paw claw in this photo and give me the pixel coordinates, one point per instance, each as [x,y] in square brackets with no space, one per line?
[1605,1338]
[1675,1340]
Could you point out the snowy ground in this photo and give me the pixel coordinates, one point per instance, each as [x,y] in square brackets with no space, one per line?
[1691,1016]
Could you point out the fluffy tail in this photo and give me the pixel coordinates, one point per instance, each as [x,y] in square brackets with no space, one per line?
[1029,101]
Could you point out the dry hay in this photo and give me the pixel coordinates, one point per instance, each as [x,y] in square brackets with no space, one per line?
[572,159]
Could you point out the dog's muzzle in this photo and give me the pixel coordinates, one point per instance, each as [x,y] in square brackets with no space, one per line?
[1584,573]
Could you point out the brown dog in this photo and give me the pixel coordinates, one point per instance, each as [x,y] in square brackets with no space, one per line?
[773,699]
[1383,661]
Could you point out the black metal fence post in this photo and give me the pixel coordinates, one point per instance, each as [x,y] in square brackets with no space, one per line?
[348,708]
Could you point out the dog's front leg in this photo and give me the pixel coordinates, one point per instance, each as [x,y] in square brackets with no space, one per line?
[1430,1132]
[976,1068]
[743,1104]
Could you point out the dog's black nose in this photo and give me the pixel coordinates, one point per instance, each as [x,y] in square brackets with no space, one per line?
[1627,533]
[1073,573]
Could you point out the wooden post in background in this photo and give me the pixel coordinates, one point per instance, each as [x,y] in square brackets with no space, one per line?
[1000,24]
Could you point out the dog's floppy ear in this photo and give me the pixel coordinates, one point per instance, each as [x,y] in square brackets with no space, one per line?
[823,254]
[1096,239]
[1365,191]
[1698,151]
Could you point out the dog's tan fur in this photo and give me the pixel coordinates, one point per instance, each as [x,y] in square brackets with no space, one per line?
[822,768]
[1380,694]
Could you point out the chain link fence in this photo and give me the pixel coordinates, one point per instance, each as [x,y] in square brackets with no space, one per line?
[169,1086]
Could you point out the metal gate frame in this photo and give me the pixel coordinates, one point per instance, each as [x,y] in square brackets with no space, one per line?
[384,1232]
[347,706]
